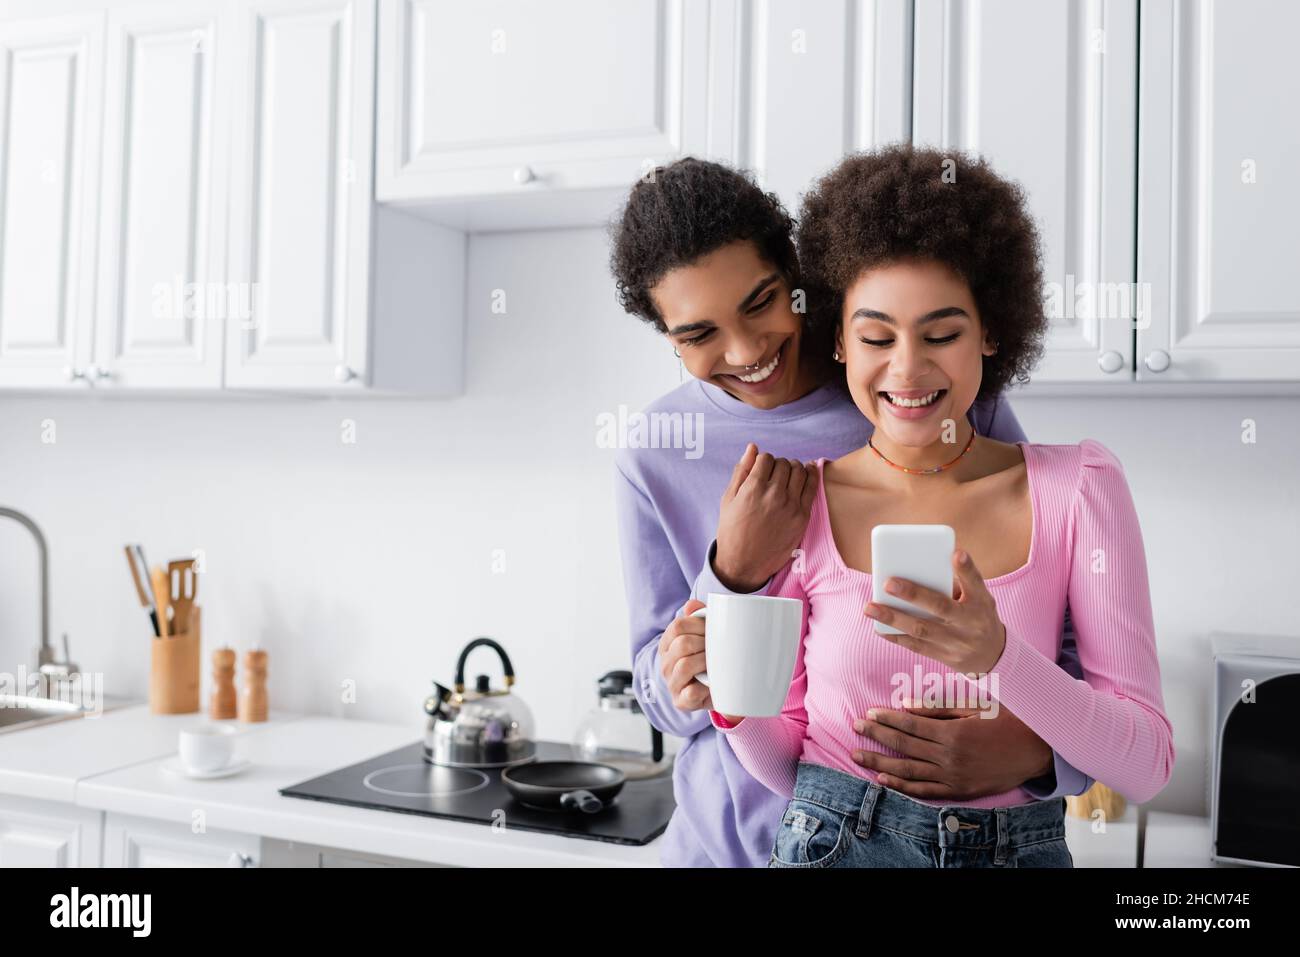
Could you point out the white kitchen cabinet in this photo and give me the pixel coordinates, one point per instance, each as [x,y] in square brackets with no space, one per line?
[226,234]
[506,113]
[131,841]
[343,294]
[48,834]
[162,297]
[272,195]
[279,853]
[817,81]
[1046,91]
[1217,237]
[49,153]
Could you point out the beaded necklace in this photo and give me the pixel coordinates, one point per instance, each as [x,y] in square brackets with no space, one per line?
[929,471]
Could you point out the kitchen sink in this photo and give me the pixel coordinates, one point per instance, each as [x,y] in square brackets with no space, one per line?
[18,711]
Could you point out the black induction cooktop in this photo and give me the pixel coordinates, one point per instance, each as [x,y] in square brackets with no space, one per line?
[403,781]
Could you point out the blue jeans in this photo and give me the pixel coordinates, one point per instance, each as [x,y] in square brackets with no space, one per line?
[841,820]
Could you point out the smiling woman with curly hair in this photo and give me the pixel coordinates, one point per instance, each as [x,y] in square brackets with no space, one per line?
[904,202]
[925,271]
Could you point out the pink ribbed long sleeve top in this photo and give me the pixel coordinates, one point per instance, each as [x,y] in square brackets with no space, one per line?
[1086,546]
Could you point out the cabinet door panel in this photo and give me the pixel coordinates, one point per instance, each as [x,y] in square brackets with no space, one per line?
[1058,116]
[573,94]
[142,842]
[536,70]
[49,130]
[163,297]
[1219,196]
[48,834]
[301,197]
[820,80]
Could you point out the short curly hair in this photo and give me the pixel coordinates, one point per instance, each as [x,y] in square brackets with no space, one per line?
[893,204]
[684,211]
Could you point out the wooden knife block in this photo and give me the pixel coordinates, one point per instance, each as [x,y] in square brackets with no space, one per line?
[174,671]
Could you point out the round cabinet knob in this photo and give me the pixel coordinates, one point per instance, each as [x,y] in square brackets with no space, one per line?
[72,375]
[1110,361]
[1157,361]
[344,374]
[525,174]
[237,859]
[96,374]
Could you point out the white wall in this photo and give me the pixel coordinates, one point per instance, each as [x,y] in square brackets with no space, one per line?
[373,561]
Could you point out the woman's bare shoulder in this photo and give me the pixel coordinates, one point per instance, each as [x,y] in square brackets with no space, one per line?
[1007,449]
[995,457]
[837,469]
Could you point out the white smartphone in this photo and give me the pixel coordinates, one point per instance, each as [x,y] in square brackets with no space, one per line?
[919,553]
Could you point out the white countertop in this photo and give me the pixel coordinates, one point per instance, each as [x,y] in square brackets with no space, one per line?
[47,761]
[114,763]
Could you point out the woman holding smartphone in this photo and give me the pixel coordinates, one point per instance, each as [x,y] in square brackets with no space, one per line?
[932,291]
[707,260]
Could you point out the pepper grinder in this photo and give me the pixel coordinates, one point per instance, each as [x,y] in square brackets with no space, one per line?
[252,699]
[222,704]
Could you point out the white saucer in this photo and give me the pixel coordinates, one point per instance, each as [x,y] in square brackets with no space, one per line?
[174,766]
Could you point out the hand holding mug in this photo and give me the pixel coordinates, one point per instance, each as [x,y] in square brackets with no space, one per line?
[681,657]
[752,644]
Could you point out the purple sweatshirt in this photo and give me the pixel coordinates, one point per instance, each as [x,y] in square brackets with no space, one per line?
[675,460]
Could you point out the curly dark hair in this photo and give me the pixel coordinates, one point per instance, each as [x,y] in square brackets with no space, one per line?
[684,211]
[893,204]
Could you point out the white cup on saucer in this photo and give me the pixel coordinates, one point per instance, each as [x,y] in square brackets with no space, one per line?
[207,747]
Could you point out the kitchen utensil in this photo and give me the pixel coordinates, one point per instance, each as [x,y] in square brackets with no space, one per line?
[565,785]
[614,732]
[143,565]
[750,647]
[174,670]
[161,598]
[138,572]
[140,559]
[483,728]
[182,587]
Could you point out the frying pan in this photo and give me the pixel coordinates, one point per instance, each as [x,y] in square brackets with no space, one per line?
[564,785]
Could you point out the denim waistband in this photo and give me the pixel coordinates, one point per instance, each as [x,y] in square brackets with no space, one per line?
[946,825]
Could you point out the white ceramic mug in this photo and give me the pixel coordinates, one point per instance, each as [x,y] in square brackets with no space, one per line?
[207,747]
[750,646]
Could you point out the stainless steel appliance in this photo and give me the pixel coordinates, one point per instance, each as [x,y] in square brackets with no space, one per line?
[1255,753]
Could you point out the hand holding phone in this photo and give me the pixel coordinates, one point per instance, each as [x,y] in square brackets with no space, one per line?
[968,634]
[919,553]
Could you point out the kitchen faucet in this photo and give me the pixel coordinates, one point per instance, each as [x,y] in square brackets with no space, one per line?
[46,660]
